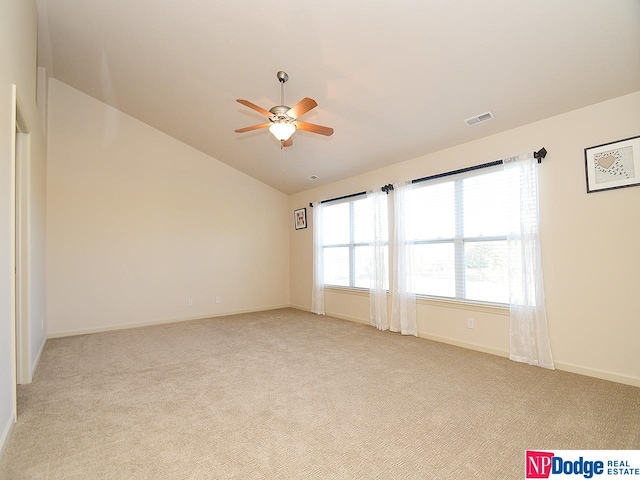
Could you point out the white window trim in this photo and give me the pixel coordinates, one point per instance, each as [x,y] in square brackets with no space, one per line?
[458,242]
[352,247]
[442,302]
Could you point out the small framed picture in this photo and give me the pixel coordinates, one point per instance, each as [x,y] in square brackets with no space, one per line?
[613,165]
[300,218]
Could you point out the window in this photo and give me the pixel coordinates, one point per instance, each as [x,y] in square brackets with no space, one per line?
[347,234]
[459,232]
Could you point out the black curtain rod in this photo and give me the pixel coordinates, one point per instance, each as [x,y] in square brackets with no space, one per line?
[540,154]
[455,172]
[340,198]
[384,188]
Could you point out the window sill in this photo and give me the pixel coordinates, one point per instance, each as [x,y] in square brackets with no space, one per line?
[485,307]
[360,292]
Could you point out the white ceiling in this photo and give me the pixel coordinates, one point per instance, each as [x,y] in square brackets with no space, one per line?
[394,79]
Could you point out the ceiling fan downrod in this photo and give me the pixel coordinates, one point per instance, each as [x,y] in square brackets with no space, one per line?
[282,78]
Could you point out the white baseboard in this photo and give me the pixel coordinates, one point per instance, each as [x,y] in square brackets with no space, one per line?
[601,374]
[6,434]
[468,346]
[349,318]
[36,362]
[566,367]
[333,315]
[449,341]
[300,307]
[109,328]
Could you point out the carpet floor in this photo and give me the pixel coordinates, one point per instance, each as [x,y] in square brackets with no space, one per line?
[287,394]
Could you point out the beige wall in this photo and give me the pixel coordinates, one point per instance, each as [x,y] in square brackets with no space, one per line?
[139,222]
[590,245]
[18,25]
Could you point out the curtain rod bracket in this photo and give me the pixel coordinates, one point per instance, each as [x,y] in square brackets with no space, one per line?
[387,188]
[540,154]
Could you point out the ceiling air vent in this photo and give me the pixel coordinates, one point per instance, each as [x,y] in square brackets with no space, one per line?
[312,177]
[483,117]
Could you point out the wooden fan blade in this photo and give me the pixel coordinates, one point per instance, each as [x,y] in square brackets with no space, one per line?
[312,127]
[287,143]
[255,107]
[252,127]
[302,107]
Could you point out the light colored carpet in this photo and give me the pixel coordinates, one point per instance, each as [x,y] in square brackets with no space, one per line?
[287,394]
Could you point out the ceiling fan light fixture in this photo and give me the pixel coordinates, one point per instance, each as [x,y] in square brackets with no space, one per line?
[282,130]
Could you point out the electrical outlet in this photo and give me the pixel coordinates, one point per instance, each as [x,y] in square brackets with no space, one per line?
[191,301]
[470,322]
[217,299]
[42,323]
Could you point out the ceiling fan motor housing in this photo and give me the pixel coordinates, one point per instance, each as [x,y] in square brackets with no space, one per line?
[280,110]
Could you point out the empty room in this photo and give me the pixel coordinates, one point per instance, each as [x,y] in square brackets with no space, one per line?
[319,240]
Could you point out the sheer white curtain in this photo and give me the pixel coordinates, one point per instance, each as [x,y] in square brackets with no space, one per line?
[377,289]
[403,297]
[317,293]
[529,336]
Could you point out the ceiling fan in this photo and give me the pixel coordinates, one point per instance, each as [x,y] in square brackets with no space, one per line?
[283,120]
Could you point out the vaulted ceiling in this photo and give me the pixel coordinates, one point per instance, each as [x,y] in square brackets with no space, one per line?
[394,79]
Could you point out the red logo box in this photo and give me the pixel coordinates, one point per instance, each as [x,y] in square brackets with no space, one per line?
[537,464]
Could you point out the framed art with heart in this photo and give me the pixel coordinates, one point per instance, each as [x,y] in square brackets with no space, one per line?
[613,165]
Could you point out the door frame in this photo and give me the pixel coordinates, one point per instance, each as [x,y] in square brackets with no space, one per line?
[19,246]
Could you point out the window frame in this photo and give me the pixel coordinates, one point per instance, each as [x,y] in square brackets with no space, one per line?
[459,241]
[352,245]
